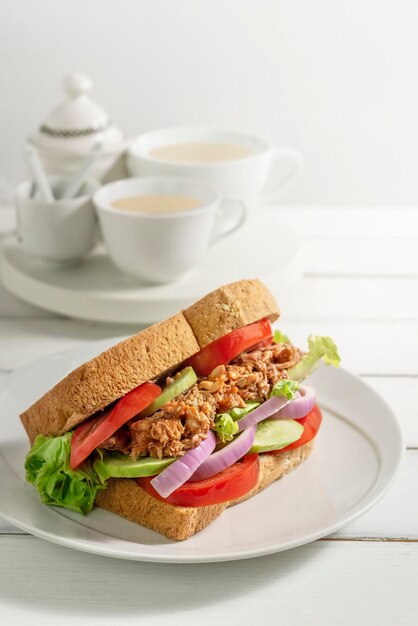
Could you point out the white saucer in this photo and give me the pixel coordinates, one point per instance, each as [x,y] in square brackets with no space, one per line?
[265,248]
[355,458]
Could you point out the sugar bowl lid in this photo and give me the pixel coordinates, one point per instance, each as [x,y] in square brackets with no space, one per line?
[78,123]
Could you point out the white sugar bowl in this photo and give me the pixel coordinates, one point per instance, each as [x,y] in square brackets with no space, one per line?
[74,128]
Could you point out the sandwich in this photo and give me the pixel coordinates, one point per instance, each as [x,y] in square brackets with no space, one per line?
[173,425]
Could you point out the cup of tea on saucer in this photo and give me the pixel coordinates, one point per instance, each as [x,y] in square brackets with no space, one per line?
[157,229]
[237,164]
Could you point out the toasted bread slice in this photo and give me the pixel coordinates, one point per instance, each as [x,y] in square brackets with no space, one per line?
[146,355]
[228,308]
[126,498]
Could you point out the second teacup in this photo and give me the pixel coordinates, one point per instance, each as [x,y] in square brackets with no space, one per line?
[158,228]
[238,165]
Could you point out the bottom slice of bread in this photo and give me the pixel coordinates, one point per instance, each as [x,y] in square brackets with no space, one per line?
[126,498]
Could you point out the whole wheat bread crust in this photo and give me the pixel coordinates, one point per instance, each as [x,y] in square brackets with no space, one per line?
[230,307]
[126,498]
[146,355]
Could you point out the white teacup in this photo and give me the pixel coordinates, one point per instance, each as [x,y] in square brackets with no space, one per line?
[160,247]
[61,232]
[237,165]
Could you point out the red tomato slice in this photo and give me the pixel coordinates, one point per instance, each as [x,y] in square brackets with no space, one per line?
[90,434]
[226,348]
[232,483]
[311,424]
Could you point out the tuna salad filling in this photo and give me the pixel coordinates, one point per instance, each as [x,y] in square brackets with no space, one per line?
[184,422]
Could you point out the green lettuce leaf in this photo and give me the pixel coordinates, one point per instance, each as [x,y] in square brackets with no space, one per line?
[285,387]
[319,348]
[280,337]
[225,427]
[226,423]
[48,468]
[100,469]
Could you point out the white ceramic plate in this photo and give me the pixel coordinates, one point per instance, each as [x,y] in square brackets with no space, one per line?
[97,290]
[355,458]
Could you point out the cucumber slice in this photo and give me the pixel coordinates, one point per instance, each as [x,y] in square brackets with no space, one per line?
[274,434]
[186,379]
[124,467]
[239,412]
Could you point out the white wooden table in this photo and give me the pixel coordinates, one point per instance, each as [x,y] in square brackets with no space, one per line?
[360,287]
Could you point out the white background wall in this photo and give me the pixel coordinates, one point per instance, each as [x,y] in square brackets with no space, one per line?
[336,79]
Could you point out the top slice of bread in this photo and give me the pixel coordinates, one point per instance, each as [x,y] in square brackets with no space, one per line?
[230,307]
[146,355]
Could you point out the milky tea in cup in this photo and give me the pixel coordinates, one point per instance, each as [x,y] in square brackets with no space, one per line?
[238,165]
[157,229]
[200,152]
[156,203]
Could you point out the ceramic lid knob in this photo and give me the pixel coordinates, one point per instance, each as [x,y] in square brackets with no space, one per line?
[78,114]
[77,84]
[78,122]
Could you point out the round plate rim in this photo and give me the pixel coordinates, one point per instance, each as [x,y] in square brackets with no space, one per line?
[88,546]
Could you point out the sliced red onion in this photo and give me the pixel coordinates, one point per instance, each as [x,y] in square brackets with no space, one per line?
[180,471]
[299,407]
[225,457]
[262,412]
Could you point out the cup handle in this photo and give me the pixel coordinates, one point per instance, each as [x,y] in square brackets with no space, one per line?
[275,186]
[219,231]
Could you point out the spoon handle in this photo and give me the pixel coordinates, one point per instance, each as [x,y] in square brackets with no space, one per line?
[38,173]
[74,184]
